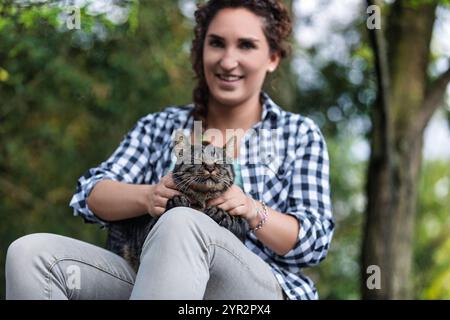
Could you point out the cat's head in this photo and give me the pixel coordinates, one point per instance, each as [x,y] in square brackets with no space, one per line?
[203,167]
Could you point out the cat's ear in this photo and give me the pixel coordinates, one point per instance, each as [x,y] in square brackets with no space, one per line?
[181,144]
[230,147]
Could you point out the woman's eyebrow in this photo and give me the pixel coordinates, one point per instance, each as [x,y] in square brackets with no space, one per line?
[212,35]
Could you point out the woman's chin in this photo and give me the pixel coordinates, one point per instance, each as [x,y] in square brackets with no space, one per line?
[228,98]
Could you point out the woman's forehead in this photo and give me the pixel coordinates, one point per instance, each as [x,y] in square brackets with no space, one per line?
[235,23]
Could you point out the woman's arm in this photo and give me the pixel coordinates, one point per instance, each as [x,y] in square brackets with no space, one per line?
[309,201]
[279,233]
[112,200]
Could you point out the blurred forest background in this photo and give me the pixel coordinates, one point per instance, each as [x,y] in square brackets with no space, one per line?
[68,96]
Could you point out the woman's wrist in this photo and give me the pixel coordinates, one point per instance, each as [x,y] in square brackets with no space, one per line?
[251,214]
[144,198]
[263,214]
[254,216]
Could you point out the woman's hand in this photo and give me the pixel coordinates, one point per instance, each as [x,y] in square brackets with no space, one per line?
[236,202]
[159,194]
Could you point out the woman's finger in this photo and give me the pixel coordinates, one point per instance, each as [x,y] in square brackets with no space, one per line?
[168,181]
[238,211]
[168,193]
[229,205]
[159,211]
[216,202]
[161,202]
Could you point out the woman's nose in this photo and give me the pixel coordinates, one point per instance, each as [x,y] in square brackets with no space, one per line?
[228,61]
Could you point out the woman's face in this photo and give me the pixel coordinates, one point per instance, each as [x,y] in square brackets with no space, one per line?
[236,56]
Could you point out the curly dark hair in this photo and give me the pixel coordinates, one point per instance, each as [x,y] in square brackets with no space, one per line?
[277,27]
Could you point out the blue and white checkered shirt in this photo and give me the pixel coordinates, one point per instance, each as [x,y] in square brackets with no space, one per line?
[284,162]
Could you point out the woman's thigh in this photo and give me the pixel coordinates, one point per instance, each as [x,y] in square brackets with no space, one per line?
[188,255]
[50,266]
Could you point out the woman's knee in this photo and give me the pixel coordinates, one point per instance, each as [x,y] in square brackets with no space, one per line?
[180,223]
[26,248]
[182,218]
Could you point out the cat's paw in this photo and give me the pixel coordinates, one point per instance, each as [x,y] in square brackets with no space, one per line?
[217,214]
[178,201]
[237,225]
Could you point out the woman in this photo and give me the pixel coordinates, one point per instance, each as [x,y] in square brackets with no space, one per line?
[187,255]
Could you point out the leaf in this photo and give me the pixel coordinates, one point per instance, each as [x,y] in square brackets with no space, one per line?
[4,75]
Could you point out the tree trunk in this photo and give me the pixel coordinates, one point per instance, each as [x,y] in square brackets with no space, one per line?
[403,108]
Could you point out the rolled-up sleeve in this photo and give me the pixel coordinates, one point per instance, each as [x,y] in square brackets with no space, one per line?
[128,164]
[309,202]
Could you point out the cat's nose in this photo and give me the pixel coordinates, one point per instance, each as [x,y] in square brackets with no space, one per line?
[210,167]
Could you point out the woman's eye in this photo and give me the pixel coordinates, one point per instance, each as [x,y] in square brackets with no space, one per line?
[247,45]
[215,43]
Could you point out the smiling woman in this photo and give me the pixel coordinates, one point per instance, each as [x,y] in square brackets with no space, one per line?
[235,66]
[283,198]
[236,44]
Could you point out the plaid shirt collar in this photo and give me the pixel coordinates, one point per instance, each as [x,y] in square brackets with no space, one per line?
[269,107]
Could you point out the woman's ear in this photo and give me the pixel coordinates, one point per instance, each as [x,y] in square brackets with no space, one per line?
[274,62]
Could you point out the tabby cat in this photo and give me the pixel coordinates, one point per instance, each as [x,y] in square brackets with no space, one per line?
[202,172]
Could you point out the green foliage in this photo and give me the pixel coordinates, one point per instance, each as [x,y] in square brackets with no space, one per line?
[432,245]
[416,3]
[344,89]
[67,97]
[337,277]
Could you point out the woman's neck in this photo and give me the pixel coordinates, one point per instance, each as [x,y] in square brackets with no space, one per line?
[242,116]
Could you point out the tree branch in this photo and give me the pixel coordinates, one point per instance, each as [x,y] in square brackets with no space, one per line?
[433,100]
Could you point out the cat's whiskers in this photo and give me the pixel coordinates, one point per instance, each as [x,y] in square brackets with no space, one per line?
[195,180]
[185,184]
[180,185]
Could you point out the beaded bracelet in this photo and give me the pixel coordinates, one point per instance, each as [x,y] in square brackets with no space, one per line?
[263,214]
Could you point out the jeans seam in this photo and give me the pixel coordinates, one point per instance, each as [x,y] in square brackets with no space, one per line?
[58,260]
[245,264]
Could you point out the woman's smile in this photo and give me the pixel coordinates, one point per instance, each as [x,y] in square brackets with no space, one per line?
[229,81]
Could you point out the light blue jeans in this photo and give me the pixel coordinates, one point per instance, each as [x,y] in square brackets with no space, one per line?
[185,256]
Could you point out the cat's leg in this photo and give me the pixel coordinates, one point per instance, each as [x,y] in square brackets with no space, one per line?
[178,201]
[237,225]
[217,214]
